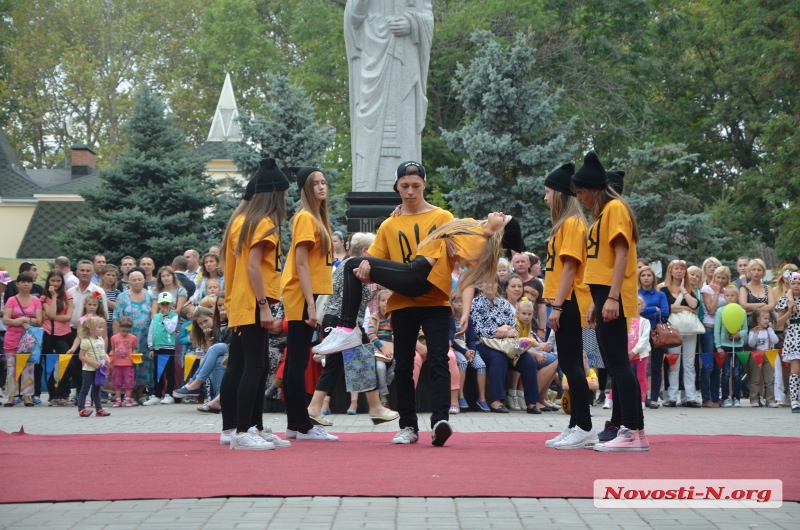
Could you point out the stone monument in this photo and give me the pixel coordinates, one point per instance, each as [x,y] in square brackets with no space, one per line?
[388,45]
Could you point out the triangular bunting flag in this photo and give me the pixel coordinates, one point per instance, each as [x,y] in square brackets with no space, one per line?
[673,358]
[706,359]
[188,362]
[50,360]
[743,357]
[772,356]
[162,363]
[720,358]
[22,360]
[63,362]
[758,357]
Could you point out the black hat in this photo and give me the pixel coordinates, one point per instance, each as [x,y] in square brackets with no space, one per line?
[615,180]
[512,236]
[409,168]
[592,174]
[302,174]
[268,178]
[561,178]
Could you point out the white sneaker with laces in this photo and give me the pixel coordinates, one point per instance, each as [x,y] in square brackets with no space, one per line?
[154,400]
[578,439]
[268,436]
[225,436]
[553,441]
[338,340]
[248,442]
[317,433]
[406,436]
[168,400]
[291,435]
[609,403]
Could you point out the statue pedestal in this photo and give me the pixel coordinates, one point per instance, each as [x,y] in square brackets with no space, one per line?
[364,207]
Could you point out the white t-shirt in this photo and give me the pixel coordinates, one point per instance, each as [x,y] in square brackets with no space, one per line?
[708,318]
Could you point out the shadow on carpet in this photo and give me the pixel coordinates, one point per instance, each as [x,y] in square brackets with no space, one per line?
[174,466]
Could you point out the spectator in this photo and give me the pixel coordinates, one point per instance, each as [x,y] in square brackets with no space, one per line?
[98,262]
[126,265]
[710,265]
[136,303]
[211,271]
[179,265]
[656,311]
[30,268]
[70,280]
[167,282]
[514,290]
[339,252]
[755,295]
[193,265]
[148,266]
[20,312]
[741,267]
[524,267]
[713,300]
[57,308]
[108,282]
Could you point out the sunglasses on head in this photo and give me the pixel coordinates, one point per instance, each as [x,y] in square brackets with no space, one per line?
[673,262]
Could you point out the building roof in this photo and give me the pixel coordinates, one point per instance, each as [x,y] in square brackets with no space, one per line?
[225,126]
[215,150]
[74,186]
[14,182]
[38,239]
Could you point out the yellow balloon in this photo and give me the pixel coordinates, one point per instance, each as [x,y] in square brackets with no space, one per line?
[733,316]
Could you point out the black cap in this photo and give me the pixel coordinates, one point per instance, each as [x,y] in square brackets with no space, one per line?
[250,189]
[268,178]
[592,174]
[615,178]
[512,236]
[302,174]
[561,178]
[409,168]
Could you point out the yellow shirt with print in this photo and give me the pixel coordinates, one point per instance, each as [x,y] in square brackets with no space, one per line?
[397,240]
[320,263]
[240,300]
[569,241]
[612,222]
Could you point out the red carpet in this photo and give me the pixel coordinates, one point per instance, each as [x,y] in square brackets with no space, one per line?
[156,466]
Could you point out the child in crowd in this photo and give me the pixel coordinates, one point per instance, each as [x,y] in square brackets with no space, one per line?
[93,356]
[123,345]
[91,308]
[789,315]
[503,272]
[210,337]
[726,343]
[186,313]
[515,397]
[762,337]
[161,341]
[638,352]
[209,302]
[465,353]
[379,332]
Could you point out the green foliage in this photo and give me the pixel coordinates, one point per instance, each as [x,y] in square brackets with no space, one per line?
[153,201]
[510,138]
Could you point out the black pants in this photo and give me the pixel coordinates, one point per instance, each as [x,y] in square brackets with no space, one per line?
[298,344]
[612,338]
[161,388]
[58,344]
[245,380]
[569,342]
[408,279]
[656,369]
[435,323]
[87,382]
[333,372]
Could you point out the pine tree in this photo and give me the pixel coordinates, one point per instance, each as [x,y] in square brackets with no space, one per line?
[152,203]
[511,137]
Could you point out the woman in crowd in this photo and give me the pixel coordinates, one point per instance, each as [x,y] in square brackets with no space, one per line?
[108,282]
[656,311]
[57,307]
[781,373]
[21,311]
[211,271]
[307,275]
[755,294]
[340,253]
[610,274]
[136,303]
[569,301]
[710,265]
[681,297]
[713,294]
[167,282]
[514,290]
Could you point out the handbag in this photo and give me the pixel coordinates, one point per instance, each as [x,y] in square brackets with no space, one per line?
[360,374]
[665,335]
[509,345]
[686,321]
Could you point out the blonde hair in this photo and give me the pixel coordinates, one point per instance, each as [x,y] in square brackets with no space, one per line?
[639,276]
[320,214]
[87,324]
[713,260]
[641,301]
[524,303]
[672,264]
[694,268]
[756,262]
[208,300]
[782,285]
[724,271]
[562,208]
[381,293]
[732,289]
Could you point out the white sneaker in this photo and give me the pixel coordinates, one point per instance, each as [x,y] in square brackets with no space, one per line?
[338,340]
[225,436]
[248,442]
[154,400]
[578,439]
[406,436]
[553,441]
[291,435]
[317,433]
[608,403]
[168,400]
[267,436]
[513,402]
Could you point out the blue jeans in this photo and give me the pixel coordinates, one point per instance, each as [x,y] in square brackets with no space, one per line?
[211,367]
[738,372]
[709,386]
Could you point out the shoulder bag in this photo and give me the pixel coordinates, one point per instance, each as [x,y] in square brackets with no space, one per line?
[686,321]
[664,334]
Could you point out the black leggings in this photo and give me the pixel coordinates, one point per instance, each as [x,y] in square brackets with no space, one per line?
[298,344]
[612,338]
[409,279]
[58,344]
[569,342]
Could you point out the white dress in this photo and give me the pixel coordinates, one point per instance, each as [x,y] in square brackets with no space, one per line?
[791,338]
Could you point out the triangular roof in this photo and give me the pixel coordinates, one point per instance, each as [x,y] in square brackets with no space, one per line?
[14,181]
[225,126]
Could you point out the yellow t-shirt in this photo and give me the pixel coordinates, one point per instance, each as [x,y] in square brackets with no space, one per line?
[95,350]
[240,300]
[397,240]
[570,240]
[304,229]
[468,244]
[613,221]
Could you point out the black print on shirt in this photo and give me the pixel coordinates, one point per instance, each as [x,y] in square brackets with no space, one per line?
[405,245]
[550,262]
[593,239]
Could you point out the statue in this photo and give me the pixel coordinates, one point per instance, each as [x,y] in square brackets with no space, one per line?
[388,45]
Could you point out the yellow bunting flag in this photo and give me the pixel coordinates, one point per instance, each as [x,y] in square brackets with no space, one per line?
[772,356]
[188,362]
[22,360]
[63,362]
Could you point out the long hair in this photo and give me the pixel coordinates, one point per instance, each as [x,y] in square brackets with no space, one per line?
[61,292]
[160,285]
[482,269]
[604,197]
[320,215]
[217,315]
[564,206]
[101,312]
[87,324]
[270,204]
[198,337]
[781,284]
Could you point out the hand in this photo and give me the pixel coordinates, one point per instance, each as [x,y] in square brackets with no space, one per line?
[265,316]
[683,282]
[362,272]
[276,328]
[151,354]
[470,355]
[207,331]
[591,316]
[386,352]
[736,336]
[463,324]
[397,211]
[610,310]
[312,317]
[400,27]
[540,357]
[52,290]
[631,355]
[545,347]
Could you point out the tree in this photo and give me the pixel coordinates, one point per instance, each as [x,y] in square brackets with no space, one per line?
[153,201]
[510,138]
